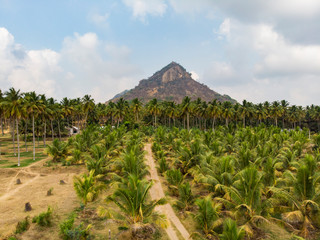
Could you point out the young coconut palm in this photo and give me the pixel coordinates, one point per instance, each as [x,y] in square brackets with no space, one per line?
[132,199]
[207,216]
[303,197]
[57,150]
[88,187]
[245,199]
[231,231]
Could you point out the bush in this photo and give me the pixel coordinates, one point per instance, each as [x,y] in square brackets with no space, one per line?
[68,232]
[66,226]
[44,218]
[23,225]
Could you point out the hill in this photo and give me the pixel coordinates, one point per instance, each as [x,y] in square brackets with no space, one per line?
[171,83]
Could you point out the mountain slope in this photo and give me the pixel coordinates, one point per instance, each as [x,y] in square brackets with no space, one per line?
[172,83]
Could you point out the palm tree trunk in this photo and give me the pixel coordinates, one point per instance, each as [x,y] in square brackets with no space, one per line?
[33,139]
[17,124]
[59,130]
[276,122]
[14,146]
[227,122]
[2,126]
[25,136]
[44,133]
[244,122]
[155,120]
[52,130]
[188,121]
[213,122]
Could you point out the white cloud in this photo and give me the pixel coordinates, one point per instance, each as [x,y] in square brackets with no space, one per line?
[194,75]
[85,65]
[99,19]
[141,8]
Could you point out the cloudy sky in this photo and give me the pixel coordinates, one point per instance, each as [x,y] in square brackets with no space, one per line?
[252,49]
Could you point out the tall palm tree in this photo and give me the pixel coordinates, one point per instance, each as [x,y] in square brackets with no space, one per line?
[154,109]
[186,107]
[88,106]
[227,111]
[136,106]
[14,109]
[121,109]
[214,111]
[34,106]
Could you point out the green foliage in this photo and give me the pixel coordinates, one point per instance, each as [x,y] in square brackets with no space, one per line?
[163,165]
[88,187]
[131,198]
[174,177]
[69,232]
[58,150]
[22,226]
[44,218]
[186,198]
[231,231]
[207,216]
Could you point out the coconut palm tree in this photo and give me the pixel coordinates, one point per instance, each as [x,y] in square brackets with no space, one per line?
[34,107]
[136,106]
[186,107]
[214,111]
[88,187]
[87,106]
[207,217]
[231,231]
[14,106]
[303,197]
[154,109]
[120,110]
[132,199]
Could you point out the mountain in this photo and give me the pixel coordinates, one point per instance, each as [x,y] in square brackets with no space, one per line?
[171,83]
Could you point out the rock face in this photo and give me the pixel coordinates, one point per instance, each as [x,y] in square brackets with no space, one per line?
[171,83]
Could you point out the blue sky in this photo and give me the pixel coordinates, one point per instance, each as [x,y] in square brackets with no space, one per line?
[255,50]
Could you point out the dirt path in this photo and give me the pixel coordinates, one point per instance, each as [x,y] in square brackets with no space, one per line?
[156,192]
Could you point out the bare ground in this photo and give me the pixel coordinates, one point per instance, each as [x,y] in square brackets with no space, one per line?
[36,181]
[156,192]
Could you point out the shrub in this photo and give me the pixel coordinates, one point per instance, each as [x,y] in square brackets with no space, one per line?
[69,232]
[23,225]
[66,226]
[44,218]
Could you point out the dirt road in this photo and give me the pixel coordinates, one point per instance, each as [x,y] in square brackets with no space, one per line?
[156,192]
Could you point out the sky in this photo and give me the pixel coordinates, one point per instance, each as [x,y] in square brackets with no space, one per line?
[252,49]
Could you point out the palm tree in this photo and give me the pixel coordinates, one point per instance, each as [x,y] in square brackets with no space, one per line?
[231,231]
[214,111]
[88,187]
[136,107]
[207,216]
[276,111]
[244,111]
[14,109]
[57,150]
[132,199]
[121,109]
[227,111]
[34,106]
[88,106]
[154,109]
[303,196]
[186,107]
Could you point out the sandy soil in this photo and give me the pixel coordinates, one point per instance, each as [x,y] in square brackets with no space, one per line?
[36,181]
[156,192]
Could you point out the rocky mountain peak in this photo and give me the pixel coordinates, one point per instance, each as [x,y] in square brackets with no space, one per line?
[172,83]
